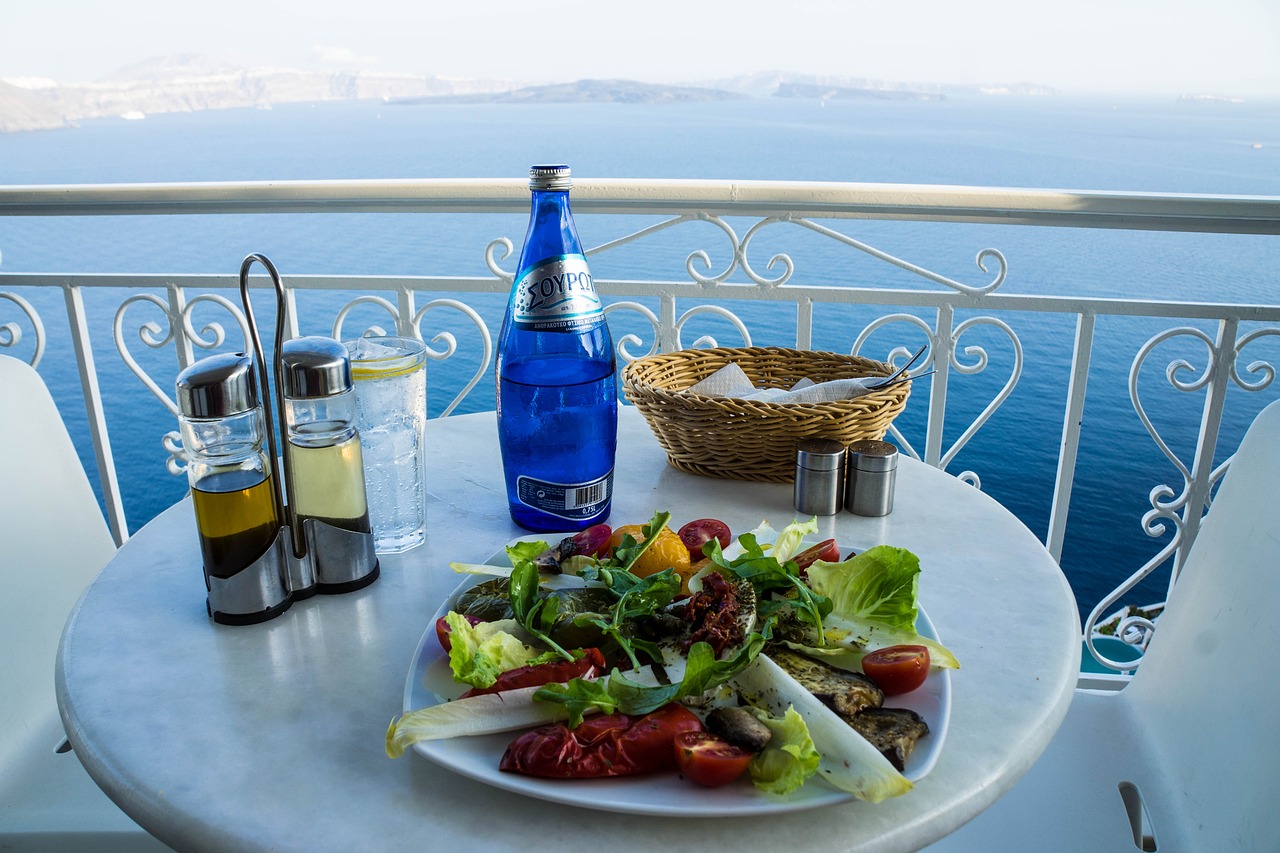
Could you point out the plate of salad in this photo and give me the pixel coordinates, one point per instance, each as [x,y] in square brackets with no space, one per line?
[759,675]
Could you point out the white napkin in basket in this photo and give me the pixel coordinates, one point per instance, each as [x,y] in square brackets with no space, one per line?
[732,381]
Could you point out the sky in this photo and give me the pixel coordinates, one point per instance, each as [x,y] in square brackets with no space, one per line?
[1225,47]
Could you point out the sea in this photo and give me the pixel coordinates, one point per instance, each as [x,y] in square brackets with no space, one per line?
[1163,145]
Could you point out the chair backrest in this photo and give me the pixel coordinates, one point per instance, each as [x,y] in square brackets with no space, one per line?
[1207,692]
[53,541]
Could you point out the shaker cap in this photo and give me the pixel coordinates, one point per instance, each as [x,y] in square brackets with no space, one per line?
[872,455]
[549,178]
[217,387]
[315,366]
[820,454]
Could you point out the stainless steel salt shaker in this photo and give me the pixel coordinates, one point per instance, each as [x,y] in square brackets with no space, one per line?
[873,471]
[819,476]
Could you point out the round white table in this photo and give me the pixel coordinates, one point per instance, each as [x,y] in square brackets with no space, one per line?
[270,737]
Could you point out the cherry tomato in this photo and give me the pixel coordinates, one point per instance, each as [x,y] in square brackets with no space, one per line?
[695,534]
[708,760]
[827,550]
[443,630]
[594,541]
[897,669]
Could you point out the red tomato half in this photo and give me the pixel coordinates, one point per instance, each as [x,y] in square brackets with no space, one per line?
[594,541]
[897,669]
[827,550]
[443,630]
[695,534]
[708,760]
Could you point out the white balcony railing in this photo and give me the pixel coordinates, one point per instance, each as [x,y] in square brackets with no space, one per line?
[722,290]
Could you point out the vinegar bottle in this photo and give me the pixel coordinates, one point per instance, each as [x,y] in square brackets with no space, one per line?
[324,465]
[557,390]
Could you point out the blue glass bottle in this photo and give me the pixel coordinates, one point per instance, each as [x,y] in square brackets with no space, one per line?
[557,380]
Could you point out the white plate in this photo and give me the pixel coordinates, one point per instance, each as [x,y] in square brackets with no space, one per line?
[430,682]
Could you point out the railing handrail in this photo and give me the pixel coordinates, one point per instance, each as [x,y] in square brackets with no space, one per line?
[947,312]
[1145,211]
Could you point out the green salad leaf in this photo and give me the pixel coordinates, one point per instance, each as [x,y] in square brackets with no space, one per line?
[536,614]
[790,757]
[479,653]
[874,605]
[637,598]
[879,585]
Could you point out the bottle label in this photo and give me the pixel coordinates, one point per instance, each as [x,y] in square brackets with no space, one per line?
[557,295]
[574,501]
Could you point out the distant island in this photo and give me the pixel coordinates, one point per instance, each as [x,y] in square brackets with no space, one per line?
[187,83]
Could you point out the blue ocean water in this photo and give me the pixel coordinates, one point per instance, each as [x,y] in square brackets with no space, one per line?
[1094,144]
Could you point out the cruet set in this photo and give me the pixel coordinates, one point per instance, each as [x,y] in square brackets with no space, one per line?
[280,524]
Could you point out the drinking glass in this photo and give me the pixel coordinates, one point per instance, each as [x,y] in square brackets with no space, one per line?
[390,377]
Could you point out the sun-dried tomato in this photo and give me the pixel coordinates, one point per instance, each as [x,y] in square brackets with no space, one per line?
[713,614]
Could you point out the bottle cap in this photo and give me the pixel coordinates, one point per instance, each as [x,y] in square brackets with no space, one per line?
[549,178]
[871,455]
[820,454]
[217,386]
[315,367]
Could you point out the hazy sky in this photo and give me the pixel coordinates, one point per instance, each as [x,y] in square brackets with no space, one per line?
[1159,46]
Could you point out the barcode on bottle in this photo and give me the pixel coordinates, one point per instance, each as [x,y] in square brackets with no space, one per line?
[581,496]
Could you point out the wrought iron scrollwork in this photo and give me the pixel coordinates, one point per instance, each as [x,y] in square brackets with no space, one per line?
[11,334]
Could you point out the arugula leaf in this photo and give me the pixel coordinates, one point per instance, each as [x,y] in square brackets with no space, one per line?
[702,673]
[536,614]
[637,597]
[626,554]
[579,696]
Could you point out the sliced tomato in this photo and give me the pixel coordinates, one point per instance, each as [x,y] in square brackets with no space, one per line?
[697,533]
[590,665]
[594,541]
[443,630]
[708,760]
[897,669]
[604,745]
[827,550]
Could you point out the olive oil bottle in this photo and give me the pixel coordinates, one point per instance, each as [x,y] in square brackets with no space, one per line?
[238,511]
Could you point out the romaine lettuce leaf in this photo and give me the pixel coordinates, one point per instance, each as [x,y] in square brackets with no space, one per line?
[879,585]
[781,546]
[789,759]
[874,605]
[479,653]
[791,540]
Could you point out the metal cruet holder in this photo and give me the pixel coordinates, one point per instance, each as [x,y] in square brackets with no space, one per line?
[313,382]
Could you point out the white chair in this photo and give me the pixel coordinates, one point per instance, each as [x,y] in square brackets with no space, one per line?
[53,541]
[1187,756]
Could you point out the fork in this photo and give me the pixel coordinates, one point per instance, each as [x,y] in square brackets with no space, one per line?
[894,377]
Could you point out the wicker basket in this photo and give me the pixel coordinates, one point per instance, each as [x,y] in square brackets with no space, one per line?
[746,439]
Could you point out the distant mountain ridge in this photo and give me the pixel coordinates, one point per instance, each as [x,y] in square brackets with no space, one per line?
[187,83]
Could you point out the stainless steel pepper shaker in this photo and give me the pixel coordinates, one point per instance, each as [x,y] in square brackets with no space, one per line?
[873,471]
[819,476]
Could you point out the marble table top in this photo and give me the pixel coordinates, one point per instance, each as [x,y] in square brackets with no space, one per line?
[270,737]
